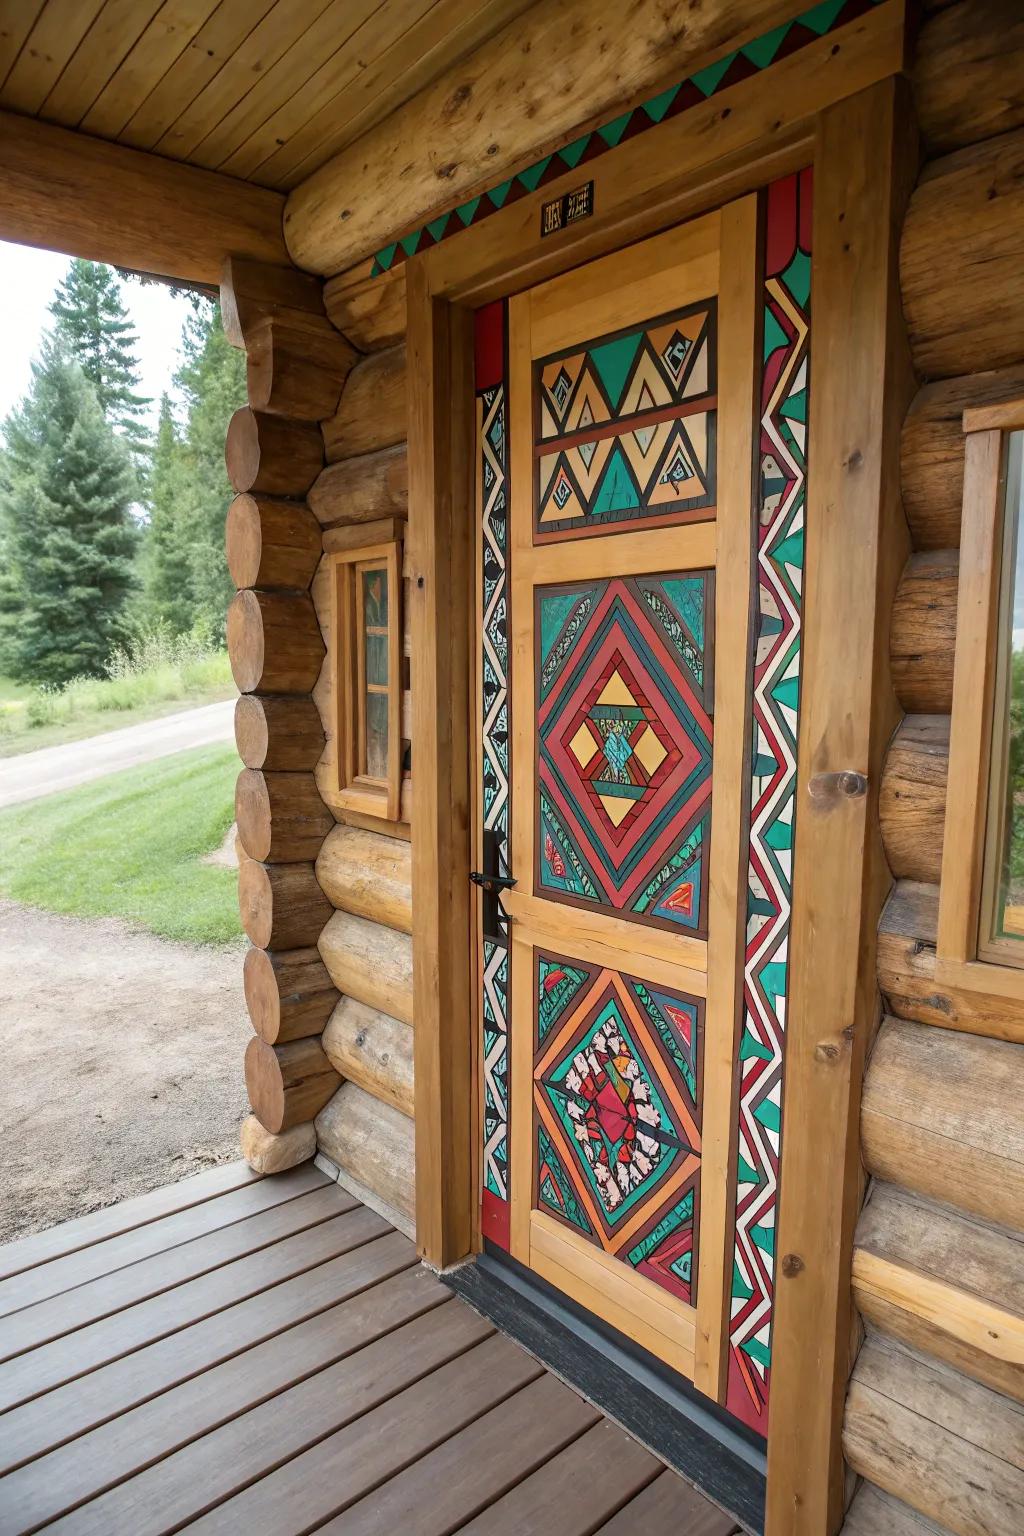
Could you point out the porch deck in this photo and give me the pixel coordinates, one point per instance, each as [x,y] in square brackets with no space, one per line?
[267,1356]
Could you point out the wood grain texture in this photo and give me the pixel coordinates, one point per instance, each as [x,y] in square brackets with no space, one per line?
[281,905]
[374,1142]
[948,1447]
[287,1084]
[369,875]
[274,642]
[944,1283]
[278,732]
[296,365]
[968,72]
[363,490]
[270,455]
[105,202]
[268,1153]
[369,311]
[372,413]
[865,163]
[922,636]
[369,962]
[499,114]
[289,994]
[271,543]
[962,298]
[912,798]
[280,816]
[874,1513]
[932,452]
[372,1050]
[251,292]
[940,1117]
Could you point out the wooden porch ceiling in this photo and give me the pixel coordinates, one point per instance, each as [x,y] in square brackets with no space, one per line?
[267,1357]
[264,90]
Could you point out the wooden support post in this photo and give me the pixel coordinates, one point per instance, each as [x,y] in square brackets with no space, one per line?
[857,545]
[440,494]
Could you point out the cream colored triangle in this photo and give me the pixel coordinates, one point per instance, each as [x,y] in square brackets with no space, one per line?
[617,808]
[616,692]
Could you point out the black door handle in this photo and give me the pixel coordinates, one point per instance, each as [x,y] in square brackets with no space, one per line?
[492,884]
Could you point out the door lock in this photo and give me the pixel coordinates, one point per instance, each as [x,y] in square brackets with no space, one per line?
[492,884]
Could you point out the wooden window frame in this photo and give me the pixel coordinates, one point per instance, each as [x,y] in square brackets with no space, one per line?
[852,120]
[962,958]
[355,790]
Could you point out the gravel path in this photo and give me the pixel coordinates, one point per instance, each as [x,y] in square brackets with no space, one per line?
[123,1064]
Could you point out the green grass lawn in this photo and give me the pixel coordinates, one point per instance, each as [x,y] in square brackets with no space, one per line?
[131,846]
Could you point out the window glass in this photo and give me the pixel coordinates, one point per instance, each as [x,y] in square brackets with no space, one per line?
[1002,924]
[375,672]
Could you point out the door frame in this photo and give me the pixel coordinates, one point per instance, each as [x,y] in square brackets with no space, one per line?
[854,123]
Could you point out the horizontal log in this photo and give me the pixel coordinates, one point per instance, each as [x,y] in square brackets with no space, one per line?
[281,905]
[940,1116]
[967,74]
[946,1446]
[274,642]
[363,490]
[252,290]
[271,455]
[370,311]
[280,816]
[289,994]
[271,544]
[373,413]
[962,260]
[374,1050]
[69,192]
[287,1084]
[874,1513]
[944,1283]
[922,638]
[370,875]
[296,366]
[912,798]
[370,963]
[907,972]
[932,451]
[373,1143]
[267,1153]
[281,733]
[493,112]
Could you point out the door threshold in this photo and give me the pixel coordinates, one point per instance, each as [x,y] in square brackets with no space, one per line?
[652,1403]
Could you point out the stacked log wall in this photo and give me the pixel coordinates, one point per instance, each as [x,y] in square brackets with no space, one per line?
[365,866]
[934,1415]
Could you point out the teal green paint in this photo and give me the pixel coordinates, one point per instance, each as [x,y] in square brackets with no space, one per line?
[553,613]
[616,492]
[612,132]
[749,1046]
[436,227]
[612,363]
[572,153]
[756,1350]
[797,277]
[659,105]
[498,194]
[820,18]
[708,80]
[763,49]
[533,173]
[774,336]
[466,211]
[768,1114]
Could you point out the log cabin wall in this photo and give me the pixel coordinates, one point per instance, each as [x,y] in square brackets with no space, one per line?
[933,1419]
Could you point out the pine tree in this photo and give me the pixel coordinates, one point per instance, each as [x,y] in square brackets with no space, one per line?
[68,536]
[167,557]
[92,326]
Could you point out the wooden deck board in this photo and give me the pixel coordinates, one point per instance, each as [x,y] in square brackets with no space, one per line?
[289,1375]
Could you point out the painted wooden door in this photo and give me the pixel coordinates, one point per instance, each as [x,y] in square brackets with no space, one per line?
[616,415]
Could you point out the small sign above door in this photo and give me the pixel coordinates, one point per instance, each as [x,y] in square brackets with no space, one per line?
[567,209]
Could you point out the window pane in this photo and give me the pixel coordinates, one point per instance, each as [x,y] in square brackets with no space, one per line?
[1005,841]
[375,599]
[377,735]
[376,658]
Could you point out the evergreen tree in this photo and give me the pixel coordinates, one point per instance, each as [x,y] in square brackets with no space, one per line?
[68,536]
[92,326]
[187,576]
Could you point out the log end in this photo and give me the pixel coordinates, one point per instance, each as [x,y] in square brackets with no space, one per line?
[252,732]
[243,540]
[246,649]
[267,1154]
[242,449]
[253,813]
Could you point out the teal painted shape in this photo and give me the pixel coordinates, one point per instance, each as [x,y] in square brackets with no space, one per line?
[740,1289]
[745,1174]
[554,611]
[659,105]
[687,598]
[617,491]
[821,18]
[797,277]
[466,211]
[573,153]
[787,692]
[387,256]
[768,1115]
[498,194]
[763,1238]
[708,80]
[790,551]
[436,227]
[774,336]
[749,1046]
[409,243]
[779,835]
[530,178]
[612,363]
[773,979]
[763,49]
[794,407]
[612,132]
[757,1351]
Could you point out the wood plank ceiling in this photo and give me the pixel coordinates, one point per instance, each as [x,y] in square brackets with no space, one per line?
[266,90]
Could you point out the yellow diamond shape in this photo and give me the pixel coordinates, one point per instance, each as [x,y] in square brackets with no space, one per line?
[650,751]
[582,745]
[618,807]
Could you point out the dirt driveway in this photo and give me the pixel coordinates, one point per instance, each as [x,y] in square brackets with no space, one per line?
[122,1064]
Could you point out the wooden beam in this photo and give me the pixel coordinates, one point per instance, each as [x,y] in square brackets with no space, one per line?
[68,192]
[497,110]
[857,546]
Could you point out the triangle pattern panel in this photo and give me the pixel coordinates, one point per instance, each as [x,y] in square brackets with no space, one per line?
[617,1095]
[626,428]
[625,747]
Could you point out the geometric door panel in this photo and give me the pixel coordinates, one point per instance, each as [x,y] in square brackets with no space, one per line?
[617,1111]
[624,731]
[625,431]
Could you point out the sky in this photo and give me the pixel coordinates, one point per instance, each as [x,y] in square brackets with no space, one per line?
[27,281]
